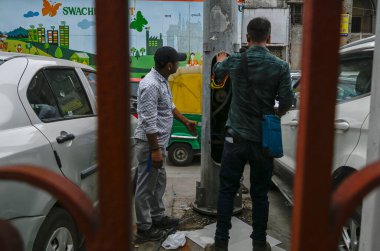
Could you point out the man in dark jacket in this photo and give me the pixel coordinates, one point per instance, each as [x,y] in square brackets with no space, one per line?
[252,97]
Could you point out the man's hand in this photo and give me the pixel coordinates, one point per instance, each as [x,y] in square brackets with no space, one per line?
[221,56]
[191,126]
[279,113]
[157,159]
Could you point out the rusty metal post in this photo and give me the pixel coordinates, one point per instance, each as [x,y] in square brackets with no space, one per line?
[113,144]
[316,132]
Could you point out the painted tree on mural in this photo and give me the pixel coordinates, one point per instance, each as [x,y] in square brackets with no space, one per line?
[137,54]
[28,46]
[47,46]
[58,53]
[133,50]
[142,51]
[138,22]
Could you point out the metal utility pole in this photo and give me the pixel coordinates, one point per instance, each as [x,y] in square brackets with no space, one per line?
[370,225]
[220,32]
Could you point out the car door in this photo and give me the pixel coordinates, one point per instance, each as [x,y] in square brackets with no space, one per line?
[66,118]
[353,103]
[352,108]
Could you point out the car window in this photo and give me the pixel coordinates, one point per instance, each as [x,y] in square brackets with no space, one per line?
[134,88]
[91,77]
[69,92]
[354,78]
[42,100]
[354,81]
[1,61]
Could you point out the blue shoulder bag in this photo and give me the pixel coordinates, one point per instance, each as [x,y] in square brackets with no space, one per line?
[271,124]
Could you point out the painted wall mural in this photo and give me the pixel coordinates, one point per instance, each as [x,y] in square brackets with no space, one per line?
[153,24]
[66,29]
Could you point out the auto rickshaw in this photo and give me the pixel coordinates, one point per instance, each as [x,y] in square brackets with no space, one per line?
[186,88]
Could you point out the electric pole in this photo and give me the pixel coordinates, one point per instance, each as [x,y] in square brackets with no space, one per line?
[220,33]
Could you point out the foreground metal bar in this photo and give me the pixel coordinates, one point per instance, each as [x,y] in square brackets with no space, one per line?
[69,195]
[10,239]
[348,196]
[113,144]
[316,132]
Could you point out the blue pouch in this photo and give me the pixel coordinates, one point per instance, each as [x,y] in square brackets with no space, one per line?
[271,136]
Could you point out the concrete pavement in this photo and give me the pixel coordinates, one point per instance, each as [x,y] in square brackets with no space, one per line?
[180,193]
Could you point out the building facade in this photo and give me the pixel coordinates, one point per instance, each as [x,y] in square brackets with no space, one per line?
[361,16]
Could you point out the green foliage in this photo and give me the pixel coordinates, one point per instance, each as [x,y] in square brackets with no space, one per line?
[138,22]
[58,53]
[133,50]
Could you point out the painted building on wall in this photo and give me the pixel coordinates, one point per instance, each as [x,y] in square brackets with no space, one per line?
[66,29]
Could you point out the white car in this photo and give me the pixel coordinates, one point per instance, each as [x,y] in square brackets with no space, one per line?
[351,128]
[48,118]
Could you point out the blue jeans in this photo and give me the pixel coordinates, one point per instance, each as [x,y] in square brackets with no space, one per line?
[235,156]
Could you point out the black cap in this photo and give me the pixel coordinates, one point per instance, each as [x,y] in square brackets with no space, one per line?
[167,54]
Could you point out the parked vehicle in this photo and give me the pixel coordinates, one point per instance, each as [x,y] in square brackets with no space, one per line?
[351,129]
[186,88]
[49,119]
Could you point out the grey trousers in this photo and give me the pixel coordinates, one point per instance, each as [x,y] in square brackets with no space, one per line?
[150,189]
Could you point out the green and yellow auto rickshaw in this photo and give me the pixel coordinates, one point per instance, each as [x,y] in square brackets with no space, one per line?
[186,87]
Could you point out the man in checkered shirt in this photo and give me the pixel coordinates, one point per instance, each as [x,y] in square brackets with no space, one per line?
[155,118]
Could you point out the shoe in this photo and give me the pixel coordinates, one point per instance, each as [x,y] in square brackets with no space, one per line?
[261,246]
[152,234]
[219,245]
[166,222]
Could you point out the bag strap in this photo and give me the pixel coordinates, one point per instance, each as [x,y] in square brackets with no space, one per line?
[244,67]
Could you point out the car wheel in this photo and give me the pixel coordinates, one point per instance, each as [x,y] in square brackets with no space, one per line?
[350,236]
[180,154]
[57,232]
[351,231]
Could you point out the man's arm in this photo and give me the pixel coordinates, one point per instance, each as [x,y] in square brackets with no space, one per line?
[188,123]
[221,68]
[285,92]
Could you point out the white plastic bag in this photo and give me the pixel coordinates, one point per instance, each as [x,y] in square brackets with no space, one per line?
[174,241]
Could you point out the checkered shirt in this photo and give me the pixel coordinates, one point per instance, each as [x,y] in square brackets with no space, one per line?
[155,108]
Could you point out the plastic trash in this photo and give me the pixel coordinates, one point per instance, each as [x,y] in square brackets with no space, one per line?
[174,241]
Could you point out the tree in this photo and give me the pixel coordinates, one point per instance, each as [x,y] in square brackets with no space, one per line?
[40,25]
[137,54]
[28,46]
[58,53]
[63,23]
[52,27]
[32,26]
[142,51]
[133,50]
[47,46]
